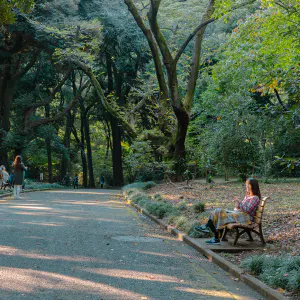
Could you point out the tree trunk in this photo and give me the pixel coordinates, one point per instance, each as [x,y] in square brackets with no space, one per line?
[179,151]
[86,129]
[7,89]
[83,158]
[49,149]
[118,177]
[66,159]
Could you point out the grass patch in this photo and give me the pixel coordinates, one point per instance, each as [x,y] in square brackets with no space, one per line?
[277,271]
[198,207]
[139,185]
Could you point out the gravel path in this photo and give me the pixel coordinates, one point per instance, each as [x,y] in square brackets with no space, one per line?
[89,245]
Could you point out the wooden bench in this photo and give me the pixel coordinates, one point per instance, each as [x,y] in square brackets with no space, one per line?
[255,227]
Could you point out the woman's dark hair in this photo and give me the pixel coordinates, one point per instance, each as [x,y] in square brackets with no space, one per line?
[254,187]
[18,162]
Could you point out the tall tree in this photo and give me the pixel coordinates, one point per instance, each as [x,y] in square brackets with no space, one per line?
[169,86]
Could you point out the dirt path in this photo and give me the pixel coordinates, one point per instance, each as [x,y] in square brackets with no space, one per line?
[88,245]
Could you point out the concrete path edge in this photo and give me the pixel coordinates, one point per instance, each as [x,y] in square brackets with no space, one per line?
[26,191]
[251,281]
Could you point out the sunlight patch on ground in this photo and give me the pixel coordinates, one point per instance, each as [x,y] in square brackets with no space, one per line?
[32,207]
[83,192]
[211,293]
[44,224]
[155,253]
[11,251]
[131,274]
[163,237]
[30,281]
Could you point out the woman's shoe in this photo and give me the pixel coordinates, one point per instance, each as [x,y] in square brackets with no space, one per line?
[213,241]
[202,228]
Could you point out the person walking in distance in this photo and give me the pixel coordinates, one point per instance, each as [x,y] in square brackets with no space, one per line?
[5,177]
[102,181]
[75,181]
[19,169]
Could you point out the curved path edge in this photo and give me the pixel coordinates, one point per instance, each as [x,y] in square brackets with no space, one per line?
[251,281]
[26,191]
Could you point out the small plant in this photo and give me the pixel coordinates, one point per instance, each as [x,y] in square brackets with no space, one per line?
[158,197]
[139,185]
[279,272]
[149,185]
[199,207]
[181,206]
[254,264]
[181,223]
[159,209]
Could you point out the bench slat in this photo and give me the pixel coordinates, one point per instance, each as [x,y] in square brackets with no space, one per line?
[259,214]
[257,220]
[260,209]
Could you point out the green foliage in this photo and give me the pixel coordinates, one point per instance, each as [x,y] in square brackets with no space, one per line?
[139,185]
[140,162]
[160,209]
[198,207]
[279,272]
[182,223]
[8,9]
[182,205]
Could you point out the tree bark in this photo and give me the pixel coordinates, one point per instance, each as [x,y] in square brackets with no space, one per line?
[118,177]
[86,129]
[49,149]
[67,140]
[7,89]
[81,146]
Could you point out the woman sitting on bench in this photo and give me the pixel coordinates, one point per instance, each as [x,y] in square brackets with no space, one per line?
[243,212]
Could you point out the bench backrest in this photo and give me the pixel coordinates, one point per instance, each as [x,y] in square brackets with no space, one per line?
[260,210]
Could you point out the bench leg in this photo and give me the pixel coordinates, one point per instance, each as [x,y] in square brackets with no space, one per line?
[224,233]
[250,239]
[236,237]
[260,234]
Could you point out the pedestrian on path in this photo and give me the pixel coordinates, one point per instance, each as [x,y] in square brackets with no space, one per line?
[1,176]
[75,181]
[243,212]
[102,180]
[5,177]
[19,170]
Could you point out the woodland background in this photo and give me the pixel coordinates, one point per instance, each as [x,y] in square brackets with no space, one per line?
[150,90]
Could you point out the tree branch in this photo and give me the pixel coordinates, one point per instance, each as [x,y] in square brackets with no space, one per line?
[32,124]
[29,65]
[52,94]
[159,37]
[279,100]
[153,47]
[112,111]
[203,24]
[190,37]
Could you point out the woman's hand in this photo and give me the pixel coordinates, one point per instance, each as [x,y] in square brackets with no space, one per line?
[235,199]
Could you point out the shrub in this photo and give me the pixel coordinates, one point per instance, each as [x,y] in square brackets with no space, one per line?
[181,205]
[254,264]
[159,209]
[140,163]
[149,185]
[181,223]
[157,197]
[138,197]
[199,207]
[139,185]
[281,271]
